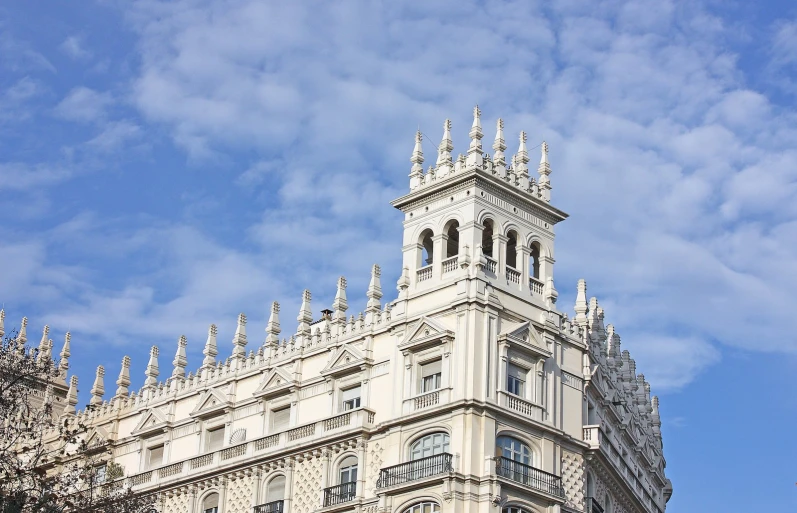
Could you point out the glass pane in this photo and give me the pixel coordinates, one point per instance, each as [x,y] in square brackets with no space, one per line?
[351,393]
[155,456]
[276,489]
[435,367]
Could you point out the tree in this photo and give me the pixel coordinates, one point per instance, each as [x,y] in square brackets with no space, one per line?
[46,462]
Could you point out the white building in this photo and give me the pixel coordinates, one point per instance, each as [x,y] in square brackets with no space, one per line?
[470,392]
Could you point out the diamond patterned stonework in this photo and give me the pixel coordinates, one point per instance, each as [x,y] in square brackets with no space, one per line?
[307,486]
[239,494]
[573,480]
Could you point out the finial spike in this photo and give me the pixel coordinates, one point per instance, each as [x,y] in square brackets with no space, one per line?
[124,378]
[340,304]
[152,368]
[71,398]
[98,389]
[273,326]
[374,293]
[2,322]
[544,170]
[180,361]
[581,303]
[211,349]
[444,162]
[416,172]
[239,339]
[63,367]
[305,317]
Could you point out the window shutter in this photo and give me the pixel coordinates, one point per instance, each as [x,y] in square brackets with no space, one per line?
[280,419]
[517,372]
[431,368]
[351,393]
[214,440]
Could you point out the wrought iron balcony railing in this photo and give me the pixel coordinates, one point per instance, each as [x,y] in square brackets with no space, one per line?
[530,476]
[270,507]
[593,506]
[415,469]
[341,493]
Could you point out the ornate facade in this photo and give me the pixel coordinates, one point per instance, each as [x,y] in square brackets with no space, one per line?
[470,392]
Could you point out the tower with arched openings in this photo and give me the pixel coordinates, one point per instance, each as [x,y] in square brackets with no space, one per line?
[469,391]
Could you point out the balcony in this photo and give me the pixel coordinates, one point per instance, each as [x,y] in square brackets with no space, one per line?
[415,470]
[520,405]
[512,275]
[593,506]
[492,265]
[270,507]
[339,494]
[290,439]
[426,400]
[530,476]
[424,273]
[450,264]
[536,286]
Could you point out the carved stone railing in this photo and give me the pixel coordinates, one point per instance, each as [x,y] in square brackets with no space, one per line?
[270,507]
[425,273]
[301,432]
[264,443]
[233,452]
[512,275]
[536,286]
[492,265]
[450,264]
[592,435]
[201,461]
[144,477]
[174,468]
[520,405]
[426,400]
[336,422]
[338,494]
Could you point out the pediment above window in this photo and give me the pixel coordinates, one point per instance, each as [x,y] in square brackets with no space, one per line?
[523,336]
[211,403]
[152,421]
[276,382]
[97,439]
[426,332]
[344,360]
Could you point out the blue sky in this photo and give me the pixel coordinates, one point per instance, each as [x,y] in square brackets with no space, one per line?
[166,165]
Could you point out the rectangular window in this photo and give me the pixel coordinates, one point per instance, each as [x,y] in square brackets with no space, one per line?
[100,474]
[214,439]
[431,374]
[280,419]
[350,398]
[516,380]
[155,456]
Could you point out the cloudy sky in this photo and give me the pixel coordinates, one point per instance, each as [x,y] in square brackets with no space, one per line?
[165,165]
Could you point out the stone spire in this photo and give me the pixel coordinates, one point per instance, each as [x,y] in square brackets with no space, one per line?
[340,305]
[65,354]
[22,336]
[581,303]
[522,164]
[374,293]
[43,341]
[2,323]
[124,378]
[305,316]
[475,152]
[273,326]
[499,145]
[444,162]
[152,368]
[71,398]
[211,350]
[416,172]
[98,389]
[239,339]
[544,170]
[180,361]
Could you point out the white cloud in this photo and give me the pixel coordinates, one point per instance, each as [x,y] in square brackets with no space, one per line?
[84,105]
[73,47]
[114,136]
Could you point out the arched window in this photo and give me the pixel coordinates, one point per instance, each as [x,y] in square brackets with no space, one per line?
[535,260]
[275,489]
[608,506]
[427,248]
[210,504]
[487,239]
[423,507]
[514,509]
[590,485]
[429,445]
[348,470]
[452,243]
[511,249]
[515,450]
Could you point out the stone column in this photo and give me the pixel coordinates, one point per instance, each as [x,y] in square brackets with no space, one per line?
[438,255]
[499,252]
[523,265]
[290,465]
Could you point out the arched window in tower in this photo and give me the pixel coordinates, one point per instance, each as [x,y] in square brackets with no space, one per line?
[535,260]
[427,248]
[452,242]
[275,490]
[487,239]
[423,507]
[511,249]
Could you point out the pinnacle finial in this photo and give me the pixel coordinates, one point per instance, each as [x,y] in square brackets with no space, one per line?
[374,293]
[273,326]
[43,342]
[180,361]
[416,172]
[71,398]
[239,339]
[475,153]
[2,323]
[65,354]
[581,303]
[211,350]
[22,336]
[98,389]
[444,161]
[305,315]
[152,368]
[499,145]
[340,304]
[124,378]
[544,170]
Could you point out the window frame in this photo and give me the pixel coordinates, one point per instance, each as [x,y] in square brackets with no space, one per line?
[434,380]
[351,466]
[352,403]
[445,445]
[150,449]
